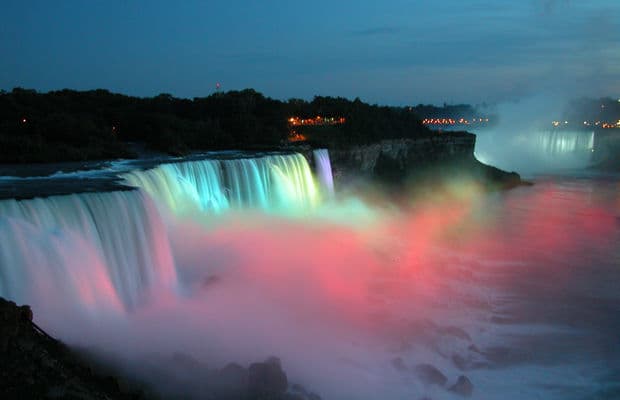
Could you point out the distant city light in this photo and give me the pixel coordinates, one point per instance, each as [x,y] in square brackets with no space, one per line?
[296,121]
[602,124]
[293,136]
[451,121]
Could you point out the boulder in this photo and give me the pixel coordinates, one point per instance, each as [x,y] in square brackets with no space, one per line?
[298,392]
[399,364]
[233,375]
[463,386]
[267,379]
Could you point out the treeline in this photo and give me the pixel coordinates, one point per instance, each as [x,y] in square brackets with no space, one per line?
[83,125]
[364,123]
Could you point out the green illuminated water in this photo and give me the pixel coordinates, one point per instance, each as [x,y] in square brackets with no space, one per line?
[280,183]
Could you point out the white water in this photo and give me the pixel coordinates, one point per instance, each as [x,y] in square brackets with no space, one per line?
[273,182]
[86,247]
[535,151]
[324,171]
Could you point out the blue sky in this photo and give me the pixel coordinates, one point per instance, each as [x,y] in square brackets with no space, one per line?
[388,52]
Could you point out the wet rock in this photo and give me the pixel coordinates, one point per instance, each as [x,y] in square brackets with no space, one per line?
[429,374]
[297,388]
[473,360]
[293,396]
[298,392]
[233,374]
[186,362]
[463,386]
[267,379]
[34,365]
[473,348]
[230,382]
[399,364]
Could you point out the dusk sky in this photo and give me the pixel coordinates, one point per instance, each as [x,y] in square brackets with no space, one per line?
[388,52]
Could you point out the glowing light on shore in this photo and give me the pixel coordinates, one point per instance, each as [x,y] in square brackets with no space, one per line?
[318,120]
[453,121]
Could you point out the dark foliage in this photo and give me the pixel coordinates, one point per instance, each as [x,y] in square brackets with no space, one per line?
[71,125]
[364,123]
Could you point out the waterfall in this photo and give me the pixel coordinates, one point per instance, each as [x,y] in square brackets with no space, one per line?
[113,247]
[536,151]
[94,247]
[282,182]
[324,170]
[183,186]
[559,142]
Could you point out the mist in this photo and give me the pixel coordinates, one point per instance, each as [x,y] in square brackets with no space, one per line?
[365,298]
[524,139]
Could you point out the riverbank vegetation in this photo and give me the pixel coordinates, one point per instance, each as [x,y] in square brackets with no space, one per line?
[70,125]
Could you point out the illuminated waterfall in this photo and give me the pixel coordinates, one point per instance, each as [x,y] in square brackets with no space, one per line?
[185,185]
[558,142]
[113,247]
[537,151]
[324,170]
[99,247]
[271,183]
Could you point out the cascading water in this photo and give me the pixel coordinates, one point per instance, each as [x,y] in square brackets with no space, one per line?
[184,186]
[558,142]
[323,167]
[97,246]
[536,151]
[278,182]
[272,182]
[113,246]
